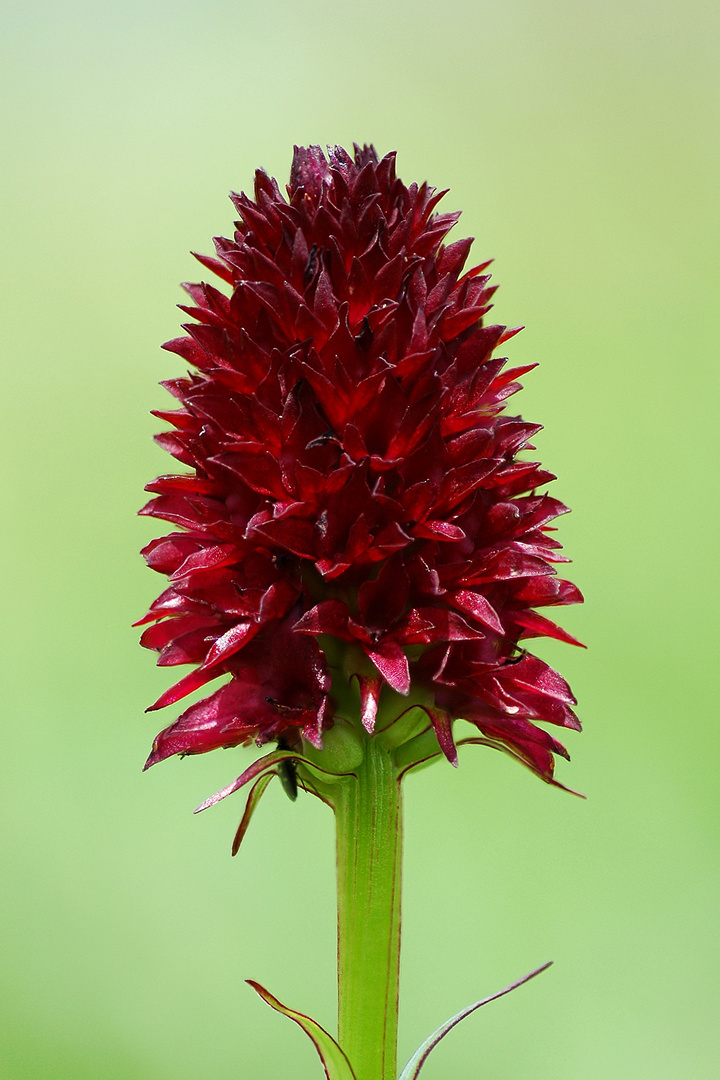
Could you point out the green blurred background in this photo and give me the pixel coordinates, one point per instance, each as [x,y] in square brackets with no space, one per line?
[580,140]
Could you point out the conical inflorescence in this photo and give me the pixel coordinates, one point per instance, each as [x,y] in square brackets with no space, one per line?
[351,484]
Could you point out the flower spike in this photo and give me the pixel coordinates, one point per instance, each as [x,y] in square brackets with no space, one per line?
[353,501]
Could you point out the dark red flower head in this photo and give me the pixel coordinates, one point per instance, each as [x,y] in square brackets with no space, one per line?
[351,475]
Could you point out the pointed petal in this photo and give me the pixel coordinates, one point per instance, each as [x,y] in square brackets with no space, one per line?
[392,664]
[430,624]
[327,617]
[193,681]
[537,625]
[438,530]
[476,604]
[442,724]
[370,687]
[232,640]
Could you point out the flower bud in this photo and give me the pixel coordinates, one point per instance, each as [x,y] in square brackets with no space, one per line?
[342,752]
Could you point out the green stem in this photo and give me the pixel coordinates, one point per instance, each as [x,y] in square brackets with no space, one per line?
[369,843]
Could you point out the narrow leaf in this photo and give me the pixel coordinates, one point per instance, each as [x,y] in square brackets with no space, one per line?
[335,1063]
[260,766]
[256,792]
[412,1069]
[513,752]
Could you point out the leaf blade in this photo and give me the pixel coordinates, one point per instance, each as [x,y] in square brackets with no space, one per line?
[256,793]
[260,766]
[416,1062]
[333,1058]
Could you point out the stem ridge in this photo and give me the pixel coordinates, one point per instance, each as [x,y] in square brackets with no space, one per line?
[368,812]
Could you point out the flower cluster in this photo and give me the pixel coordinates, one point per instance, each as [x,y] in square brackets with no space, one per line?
[354,486]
